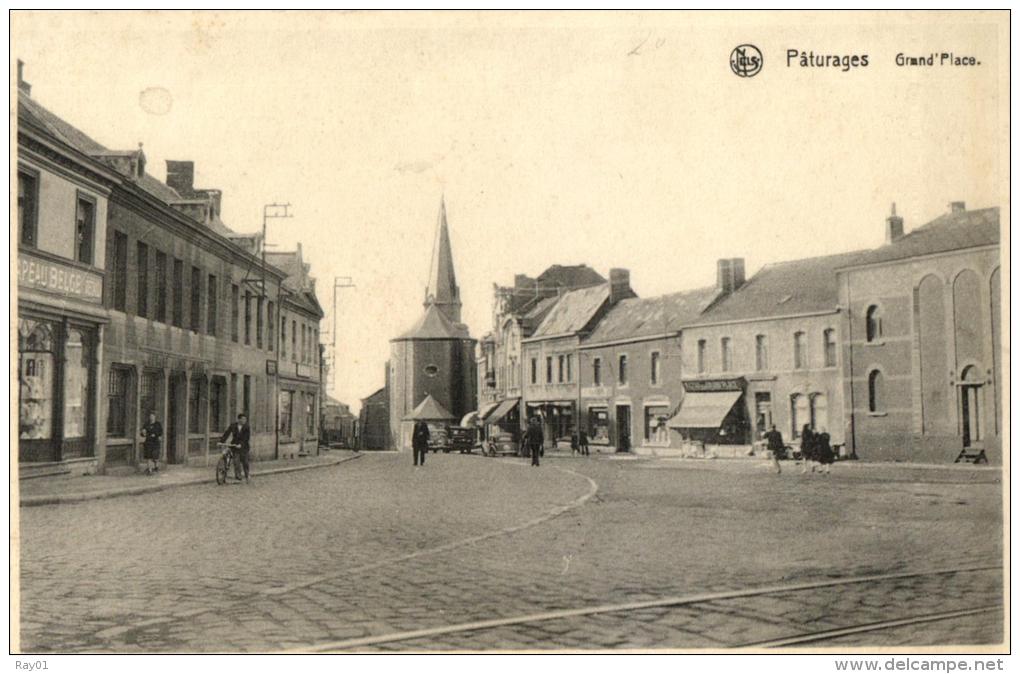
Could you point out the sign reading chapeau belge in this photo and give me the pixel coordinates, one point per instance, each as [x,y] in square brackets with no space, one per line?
[57,278]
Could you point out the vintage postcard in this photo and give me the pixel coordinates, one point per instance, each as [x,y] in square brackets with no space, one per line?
[516,331]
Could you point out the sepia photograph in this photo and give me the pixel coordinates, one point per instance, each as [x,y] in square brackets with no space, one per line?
[507,332]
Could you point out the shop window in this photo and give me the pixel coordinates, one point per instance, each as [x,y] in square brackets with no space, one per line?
[310,414]
[800,413]
[195,405]
[161,286]
[548,369]
[36,358]
[178,298]
[656,431]
[85,230]
[118,270]
[235,301]
[875,391]
[286,410]
[77,378]
[598,424]
[829,341]
[247,318]
[212,305]
[28,208]
[623,370]
[726,349]
[117,402]
[142,268]
[596,371]
[702,354]
[655,363]
[799,351]
[196,299]
[271,325]
[761,353]
[873,323]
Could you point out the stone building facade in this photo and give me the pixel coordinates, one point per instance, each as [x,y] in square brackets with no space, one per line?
[922,356]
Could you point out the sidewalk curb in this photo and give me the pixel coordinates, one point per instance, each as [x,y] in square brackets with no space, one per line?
[31,501]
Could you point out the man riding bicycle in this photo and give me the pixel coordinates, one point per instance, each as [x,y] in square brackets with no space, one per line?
[240,436]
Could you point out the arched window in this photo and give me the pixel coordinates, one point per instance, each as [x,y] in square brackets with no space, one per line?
[800,413]
[820,412]
[873,323]
[799,351]
[829,342]
[725,347]
[761,353]
[875,392]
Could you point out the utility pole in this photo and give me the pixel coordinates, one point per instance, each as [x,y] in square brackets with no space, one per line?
[339,282]
[273,210]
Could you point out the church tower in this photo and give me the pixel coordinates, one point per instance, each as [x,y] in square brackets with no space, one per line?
[442,289]
[432,365]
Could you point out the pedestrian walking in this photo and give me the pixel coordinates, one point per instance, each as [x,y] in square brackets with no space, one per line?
[535,440]
[420,442]
[776,446]
[575,446]
[239,434]
[823,452]
[807,448]
[583,442]
[152,431]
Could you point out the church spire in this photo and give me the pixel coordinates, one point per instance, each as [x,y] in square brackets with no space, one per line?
[442,289]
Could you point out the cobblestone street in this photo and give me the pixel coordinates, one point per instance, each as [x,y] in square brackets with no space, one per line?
[376,546]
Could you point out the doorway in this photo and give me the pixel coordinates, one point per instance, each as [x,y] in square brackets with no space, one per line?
[762,414]
[623,437]
[971,410]
[174,388]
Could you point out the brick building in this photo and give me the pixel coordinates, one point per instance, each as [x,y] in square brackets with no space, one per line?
[630,370]
[922,357]
[551,390]
[63,195]
[517,312]
[374,421]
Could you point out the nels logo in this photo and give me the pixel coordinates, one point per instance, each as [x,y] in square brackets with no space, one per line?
[746,60]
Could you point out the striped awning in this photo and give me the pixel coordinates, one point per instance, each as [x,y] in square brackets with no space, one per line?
[704,410]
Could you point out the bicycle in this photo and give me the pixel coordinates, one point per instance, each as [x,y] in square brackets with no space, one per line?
[226,462]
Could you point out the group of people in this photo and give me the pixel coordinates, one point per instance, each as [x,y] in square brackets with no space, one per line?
[815,449]
[238,435]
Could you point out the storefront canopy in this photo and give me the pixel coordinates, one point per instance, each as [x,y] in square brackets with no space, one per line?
[501,411]
[470,420]
[704,410]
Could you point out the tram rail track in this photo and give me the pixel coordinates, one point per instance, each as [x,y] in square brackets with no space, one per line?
[694,600]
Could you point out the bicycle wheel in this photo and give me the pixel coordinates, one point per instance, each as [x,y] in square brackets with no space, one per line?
[221,471]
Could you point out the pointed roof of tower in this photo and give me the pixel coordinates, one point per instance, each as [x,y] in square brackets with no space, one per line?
[429,410]
[442,288]
[434,324]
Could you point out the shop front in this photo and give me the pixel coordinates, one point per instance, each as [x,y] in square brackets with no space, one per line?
[713,412]
[60,330]
[558,419]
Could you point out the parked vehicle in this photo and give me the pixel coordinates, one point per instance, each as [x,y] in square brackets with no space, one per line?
[461,439]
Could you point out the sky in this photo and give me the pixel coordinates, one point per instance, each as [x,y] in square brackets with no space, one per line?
[614,140]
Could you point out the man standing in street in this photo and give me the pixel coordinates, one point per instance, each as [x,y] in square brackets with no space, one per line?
[240,436]
[583,440]
[535,440]
[420,442]
[775,444]
[152,431]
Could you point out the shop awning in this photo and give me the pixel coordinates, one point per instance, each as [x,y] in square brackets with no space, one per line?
[469,419]
[501,411]
[485,410]
[704,410]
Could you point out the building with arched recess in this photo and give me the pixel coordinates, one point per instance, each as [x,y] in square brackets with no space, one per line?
[436,356]
[922,336]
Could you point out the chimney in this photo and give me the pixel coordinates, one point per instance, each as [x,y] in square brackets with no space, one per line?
[23,86]
[893,226]
[180,175]
[619,285]
[957,206]
[729,274]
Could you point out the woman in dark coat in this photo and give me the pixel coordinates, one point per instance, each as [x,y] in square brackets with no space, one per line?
[807,447]
[823,451]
